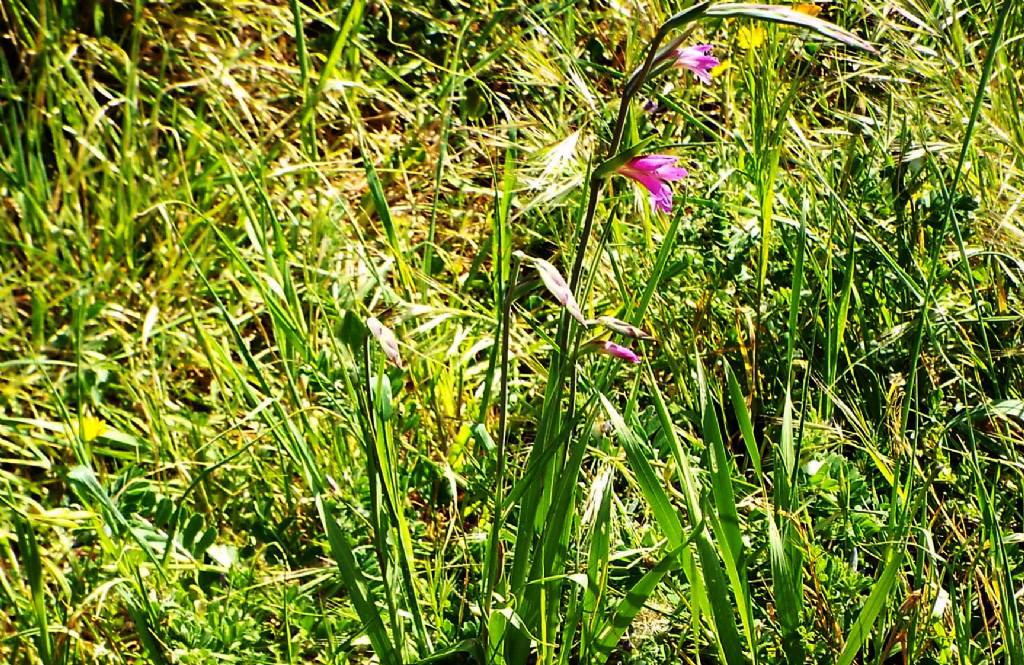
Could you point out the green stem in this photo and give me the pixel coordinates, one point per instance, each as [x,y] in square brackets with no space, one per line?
[492,549]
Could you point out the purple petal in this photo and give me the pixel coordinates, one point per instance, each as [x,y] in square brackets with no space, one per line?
[650,163]
[654,172]
[662,199]
[661,193]
[671,173]
[697,60]
[618,351]
[691,53]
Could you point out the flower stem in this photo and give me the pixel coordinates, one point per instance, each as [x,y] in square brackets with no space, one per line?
[628,92]
[633,85]
[492,560]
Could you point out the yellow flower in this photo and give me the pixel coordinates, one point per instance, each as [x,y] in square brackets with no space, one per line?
[721,68]
[807,8]
[91,428]
[751,37]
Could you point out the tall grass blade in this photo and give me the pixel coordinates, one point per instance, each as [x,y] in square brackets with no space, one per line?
[355,584]
[786,16]
[650,486]
[33,570]
[860,632]
[746,427]
[711,591]
[626,610]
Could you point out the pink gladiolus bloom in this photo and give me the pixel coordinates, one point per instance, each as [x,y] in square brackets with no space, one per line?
[617,351]
[697,59]
[387,340]
[654,172]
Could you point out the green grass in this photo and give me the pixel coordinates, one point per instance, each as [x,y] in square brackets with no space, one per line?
[205,458]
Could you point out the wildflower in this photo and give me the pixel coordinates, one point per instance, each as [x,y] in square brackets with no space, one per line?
[387,340]
[622,327]
[654,172]
[650,106]
[557,285]
[751,37]
[89,428]
[697,59]
[811,10]
[617,351]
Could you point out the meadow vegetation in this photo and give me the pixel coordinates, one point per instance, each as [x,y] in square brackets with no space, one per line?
[213,212]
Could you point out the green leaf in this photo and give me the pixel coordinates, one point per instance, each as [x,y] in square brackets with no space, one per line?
[861,629]
[714,593]
[721,475]
[191,530]
[634,600]
[728,634]
[610,165]
[32,565]
[739,407]
[380,204]
[355,583]
[787,583]
[787,16]
[724,520]
[650,485]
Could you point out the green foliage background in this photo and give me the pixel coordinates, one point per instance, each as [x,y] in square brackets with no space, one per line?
[203,459]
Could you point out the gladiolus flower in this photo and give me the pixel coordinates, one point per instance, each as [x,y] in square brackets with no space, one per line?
[654,172]
[621,327]
[697,59]
[557,285]
[617,351]
[387,340]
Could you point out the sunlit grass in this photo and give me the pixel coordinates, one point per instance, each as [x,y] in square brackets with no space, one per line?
[207,458]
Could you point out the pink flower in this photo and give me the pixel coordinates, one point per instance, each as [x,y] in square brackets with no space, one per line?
[654,172]
[697,59]
[617,351]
